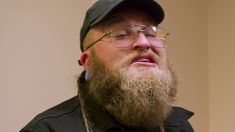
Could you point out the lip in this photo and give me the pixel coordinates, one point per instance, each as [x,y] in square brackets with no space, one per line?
[145,60]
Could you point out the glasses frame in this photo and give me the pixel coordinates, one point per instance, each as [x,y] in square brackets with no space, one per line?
[110,31]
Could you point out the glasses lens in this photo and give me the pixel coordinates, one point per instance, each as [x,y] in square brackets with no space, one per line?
[122,36]
[156,36]
[125,36]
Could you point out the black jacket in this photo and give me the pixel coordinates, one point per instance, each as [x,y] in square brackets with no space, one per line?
[66,117]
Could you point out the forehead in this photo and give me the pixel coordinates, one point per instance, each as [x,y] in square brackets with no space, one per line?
[127,16]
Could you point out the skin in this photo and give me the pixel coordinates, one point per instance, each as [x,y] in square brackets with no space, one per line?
[116,58]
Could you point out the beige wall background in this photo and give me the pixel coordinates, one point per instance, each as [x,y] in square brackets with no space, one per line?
[186,22]
[39,48]
[221,40]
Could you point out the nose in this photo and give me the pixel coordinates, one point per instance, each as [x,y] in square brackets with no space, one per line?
[141,42]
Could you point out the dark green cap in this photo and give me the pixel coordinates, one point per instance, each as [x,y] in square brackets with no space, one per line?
[101,8]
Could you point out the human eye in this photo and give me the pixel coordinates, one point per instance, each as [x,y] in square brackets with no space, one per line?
[150,34]
[120,34]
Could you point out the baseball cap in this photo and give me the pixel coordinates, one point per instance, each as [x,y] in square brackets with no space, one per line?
[101,8]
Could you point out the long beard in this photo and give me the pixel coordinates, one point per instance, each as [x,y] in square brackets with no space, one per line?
[142,101]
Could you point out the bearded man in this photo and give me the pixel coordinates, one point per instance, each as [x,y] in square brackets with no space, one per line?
[128,85]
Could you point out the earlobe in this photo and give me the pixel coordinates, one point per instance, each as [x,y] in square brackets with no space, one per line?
[85,59]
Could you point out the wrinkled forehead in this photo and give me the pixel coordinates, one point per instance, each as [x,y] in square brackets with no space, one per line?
[124,15]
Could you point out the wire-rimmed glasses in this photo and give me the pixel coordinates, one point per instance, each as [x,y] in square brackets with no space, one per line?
[125,36]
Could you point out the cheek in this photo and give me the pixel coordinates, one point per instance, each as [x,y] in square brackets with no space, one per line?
[110,55]
[159,51]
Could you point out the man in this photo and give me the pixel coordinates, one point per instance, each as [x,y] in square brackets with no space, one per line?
[127,84]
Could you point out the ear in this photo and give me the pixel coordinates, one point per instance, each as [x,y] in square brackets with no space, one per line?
[85,59]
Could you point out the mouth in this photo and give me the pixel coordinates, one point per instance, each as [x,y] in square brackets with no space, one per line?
[146,60]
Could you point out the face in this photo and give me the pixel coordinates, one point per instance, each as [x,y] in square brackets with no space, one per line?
[140,56]
[136,85]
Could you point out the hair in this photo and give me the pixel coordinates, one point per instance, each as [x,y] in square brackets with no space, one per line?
[81,99]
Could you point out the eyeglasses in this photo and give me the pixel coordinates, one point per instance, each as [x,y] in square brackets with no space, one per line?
[126,35]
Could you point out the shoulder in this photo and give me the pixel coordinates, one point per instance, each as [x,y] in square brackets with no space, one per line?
[178,118]
[63,117]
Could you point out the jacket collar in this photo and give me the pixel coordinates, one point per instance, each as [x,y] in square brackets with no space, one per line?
[177,117]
